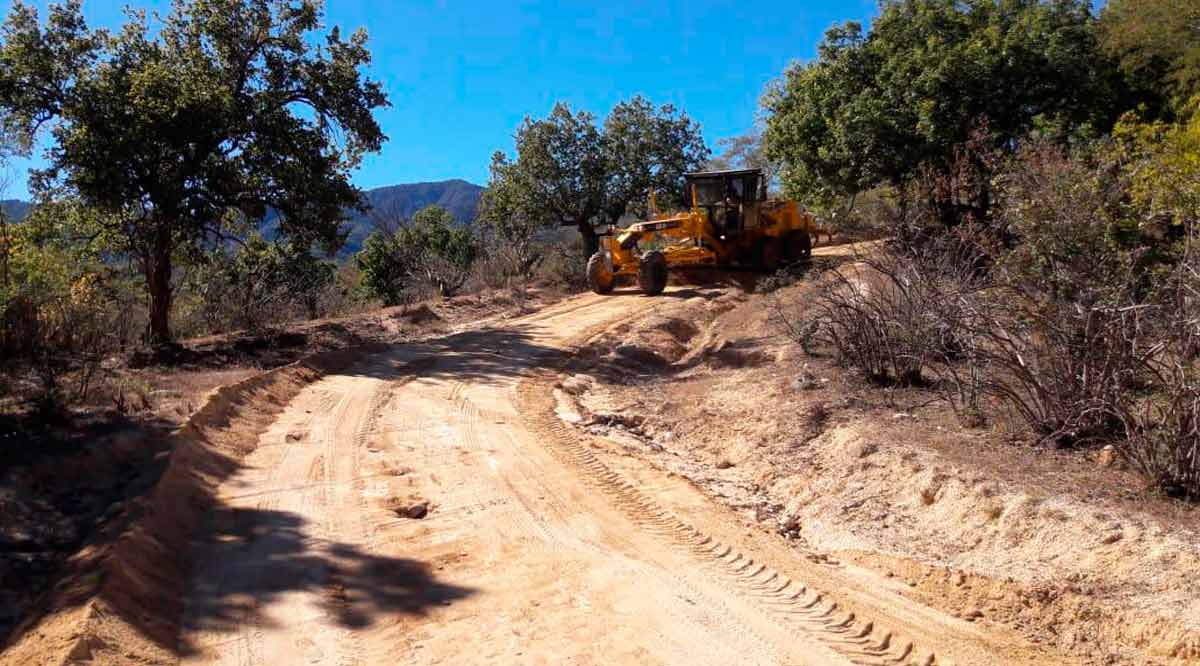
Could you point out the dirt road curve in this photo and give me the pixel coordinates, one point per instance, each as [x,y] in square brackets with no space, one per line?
[529,551]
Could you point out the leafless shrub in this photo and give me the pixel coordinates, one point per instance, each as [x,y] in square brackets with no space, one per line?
[893,316]
[1162,433]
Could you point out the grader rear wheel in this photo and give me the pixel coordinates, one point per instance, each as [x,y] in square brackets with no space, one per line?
[797,245]
[599,277]
[652,273]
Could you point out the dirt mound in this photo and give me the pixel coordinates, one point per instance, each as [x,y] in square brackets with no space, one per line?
[422,314]
[651,344]
[119,598]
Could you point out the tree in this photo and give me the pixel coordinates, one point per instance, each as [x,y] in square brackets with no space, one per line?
[194,125]
[560,168]
[431,248]
[648,149]
[746,151]
[1157,43]
[509,219]
[569,172]
[440,250]
[876,107]
[382,271]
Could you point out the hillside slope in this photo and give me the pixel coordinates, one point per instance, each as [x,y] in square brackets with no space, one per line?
[14,209]
[457,196]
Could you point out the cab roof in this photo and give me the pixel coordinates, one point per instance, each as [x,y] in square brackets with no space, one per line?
[721,174]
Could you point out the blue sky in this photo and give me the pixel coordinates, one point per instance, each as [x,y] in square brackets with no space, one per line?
[461,75]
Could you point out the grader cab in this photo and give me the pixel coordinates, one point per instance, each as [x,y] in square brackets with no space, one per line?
[731,222]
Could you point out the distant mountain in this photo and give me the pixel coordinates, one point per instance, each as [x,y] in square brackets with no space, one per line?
[15,209]
[457,196]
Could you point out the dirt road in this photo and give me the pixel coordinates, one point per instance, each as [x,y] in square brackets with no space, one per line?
[428,507]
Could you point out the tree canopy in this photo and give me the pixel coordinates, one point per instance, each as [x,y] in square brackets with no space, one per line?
[1157,43]
[431,249]
[877,105]
[193,125]
[568,171]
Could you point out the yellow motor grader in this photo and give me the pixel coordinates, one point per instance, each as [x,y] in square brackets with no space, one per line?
[731,223]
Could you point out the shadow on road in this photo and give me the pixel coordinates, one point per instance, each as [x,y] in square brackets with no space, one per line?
[484,355]
[255,557]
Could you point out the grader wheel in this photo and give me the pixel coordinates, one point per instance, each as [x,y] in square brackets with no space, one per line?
[797,246]
[652,273]
[599,278]
[767,254]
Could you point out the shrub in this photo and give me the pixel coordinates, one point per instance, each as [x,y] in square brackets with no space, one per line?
[431,250]
[894,316]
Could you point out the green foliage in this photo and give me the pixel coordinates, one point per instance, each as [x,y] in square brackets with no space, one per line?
[569,172]
[260,283]
[876,106]
[439,250]
[432,250]
[382,271]
[509,221]
[195,124]
[648,149]
[1157,43]
[62,308]
[1163,161]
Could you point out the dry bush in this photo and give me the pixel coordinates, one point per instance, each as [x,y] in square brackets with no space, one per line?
[893,316]
[563,266]
[1162,434]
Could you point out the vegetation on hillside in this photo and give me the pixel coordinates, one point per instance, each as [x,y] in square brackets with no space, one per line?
[186,128]
[1041,170]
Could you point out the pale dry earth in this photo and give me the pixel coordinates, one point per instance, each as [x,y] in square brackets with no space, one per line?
[427,506]
[436,503]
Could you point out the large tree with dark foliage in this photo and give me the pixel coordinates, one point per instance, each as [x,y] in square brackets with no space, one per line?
[571,172]
[1157,44]
[878,105]
[192,125]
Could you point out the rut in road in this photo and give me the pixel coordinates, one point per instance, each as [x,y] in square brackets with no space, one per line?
[532,551]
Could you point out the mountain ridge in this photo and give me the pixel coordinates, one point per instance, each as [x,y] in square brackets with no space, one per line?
[402,200]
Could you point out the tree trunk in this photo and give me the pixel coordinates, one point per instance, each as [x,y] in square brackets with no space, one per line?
[158,285]
[591,242]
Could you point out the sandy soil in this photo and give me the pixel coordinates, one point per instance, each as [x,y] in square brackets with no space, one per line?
[1072,555]
[66,484]
[433,503]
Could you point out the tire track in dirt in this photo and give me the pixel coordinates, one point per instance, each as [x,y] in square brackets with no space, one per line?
[802,607]
[539,518]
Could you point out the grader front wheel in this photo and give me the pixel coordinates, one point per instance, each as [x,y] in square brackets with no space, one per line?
[652,273]
[599,277]
[768,254]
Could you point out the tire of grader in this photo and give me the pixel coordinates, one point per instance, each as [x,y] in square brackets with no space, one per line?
[767,254]
[599,278]
[797,245]
[652,273]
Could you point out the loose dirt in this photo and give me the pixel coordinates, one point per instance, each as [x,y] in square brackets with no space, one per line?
[1070,553]
[465,500]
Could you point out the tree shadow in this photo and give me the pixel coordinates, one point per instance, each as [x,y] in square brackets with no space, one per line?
[254,557]
[483,355]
